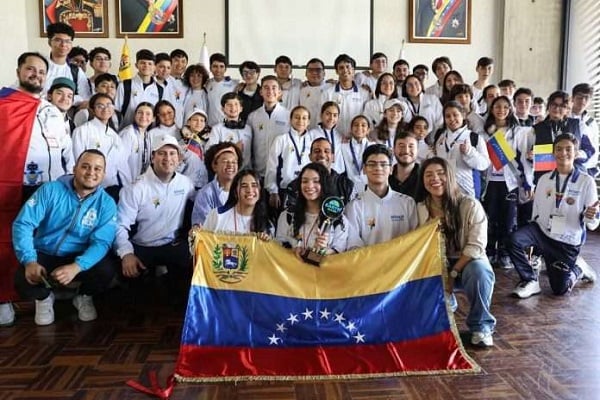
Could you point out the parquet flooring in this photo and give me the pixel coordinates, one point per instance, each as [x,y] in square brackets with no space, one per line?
[545,348]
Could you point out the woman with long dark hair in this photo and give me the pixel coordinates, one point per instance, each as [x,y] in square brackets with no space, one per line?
[464,224]
[301,227]
[509,184]
[244,211]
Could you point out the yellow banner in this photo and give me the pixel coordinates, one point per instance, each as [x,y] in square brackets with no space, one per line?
[230,262]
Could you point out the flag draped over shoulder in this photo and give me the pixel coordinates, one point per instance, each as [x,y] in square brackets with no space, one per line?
[17,115]
[499,150]
[543,158]
[125,71]
[256,312]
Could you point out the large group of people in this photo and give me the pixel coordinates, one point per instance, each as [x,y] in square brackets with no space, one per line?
[113,175]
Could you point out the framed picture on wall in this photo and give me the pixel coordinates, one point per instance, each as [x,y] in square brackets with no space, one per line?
[149,18]
[439,21]
[89,18]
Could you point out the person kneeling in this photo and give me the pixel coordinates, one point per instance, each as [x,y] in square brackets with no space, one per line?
[63,234]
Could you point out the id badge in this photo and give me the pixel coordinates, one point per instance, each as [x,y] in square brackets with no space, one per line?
[558,224]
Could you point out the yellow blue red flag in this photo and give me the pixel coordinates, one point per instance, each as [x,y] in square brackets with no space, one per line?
[257,312]
[499,150]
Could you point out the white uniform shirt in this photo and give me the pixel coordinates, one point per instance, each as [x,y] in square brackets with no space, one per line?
[174,92]
[310,97]
[265,128]
[139,94]
[49,147]
[228,221]
[138,152]
[289,153]
[435,90]
[220,133]
[194,99]
[376,220]
[215,90]
[351,103]
[579,193]
[589,127]
[366,78]
[156,206]
[429,107]
[352,152]
[96,135]
[290,93]
[338,234]
[64,71]
[448,147]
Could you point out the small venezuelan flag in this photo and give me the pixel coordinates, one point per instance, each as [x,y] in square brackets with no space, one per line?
[499,150]
[543,158]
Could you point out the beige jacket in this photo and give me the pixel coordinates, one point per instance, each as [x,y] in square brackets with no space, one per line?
[473,234]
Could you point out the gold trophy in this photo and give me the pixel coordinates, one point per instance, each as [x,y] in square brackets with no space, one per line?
[332,208]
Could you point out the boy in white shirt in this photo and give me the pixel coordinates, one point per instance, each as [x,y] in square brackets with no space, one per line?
[217,86]
[379,214]
[290,87]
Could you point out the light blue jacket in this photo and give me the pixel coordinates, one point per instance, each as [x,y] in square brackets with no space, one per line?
[57,222]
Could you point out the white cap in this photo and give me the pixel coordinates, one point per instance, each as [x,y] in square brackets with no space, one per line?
[195,111]
[389,103]
[166,140]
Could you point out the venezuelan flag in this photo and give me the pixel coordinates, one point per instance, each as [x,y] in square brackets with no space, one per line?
[543,158]
[17,115]
[256,312]
[499,150]
[195,147]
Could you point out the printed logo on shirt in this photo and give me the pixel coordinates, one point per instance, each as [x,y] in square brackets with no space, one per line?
[397,218]
[89,219]
[282,123]
[179,192]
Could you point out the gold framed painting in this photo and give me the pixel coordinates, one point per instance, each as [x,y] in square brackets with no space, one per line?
[88,18]
[440,21]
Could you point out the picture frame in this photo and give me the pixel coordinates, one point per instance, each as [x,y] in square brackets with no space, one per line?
[89,18]
[149,18]
[436,21]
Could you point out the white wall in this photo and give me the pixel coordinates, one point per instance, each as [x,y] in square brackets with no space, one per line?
[390,28]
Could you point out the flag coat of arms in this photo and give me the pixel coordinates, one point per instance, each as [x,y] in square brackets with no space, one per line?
[543,158]
[499,150]
[257,312]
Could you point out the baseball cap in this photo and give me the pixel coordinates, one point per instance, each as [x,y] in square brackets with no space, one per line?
[166,140]
[62,82]
[389,103]
[195,111]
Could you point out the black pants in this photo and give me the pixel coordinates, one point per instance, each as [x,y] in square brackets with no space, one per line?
[93,281]
[176,257]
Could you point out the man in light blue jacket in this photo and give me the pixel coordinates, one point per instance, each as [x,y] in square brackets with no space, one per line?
[63,233]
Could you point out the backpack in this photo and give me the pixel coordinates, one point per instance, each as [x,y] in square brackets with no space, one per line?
[127,94]
[75,74]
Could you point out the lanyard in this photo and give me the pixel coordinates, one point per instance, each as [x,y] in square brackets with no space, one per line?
[415,109]
[558,196]
[298,154]
[331,137]
[355,161]
[145,149]
[448,148]
[306,238]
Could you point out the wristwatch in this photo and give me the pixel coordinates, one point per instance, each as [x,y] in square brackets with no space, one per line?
[454,273]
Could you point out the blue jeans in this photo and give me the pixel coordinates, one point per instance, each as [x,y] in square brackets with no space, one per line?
[477,279]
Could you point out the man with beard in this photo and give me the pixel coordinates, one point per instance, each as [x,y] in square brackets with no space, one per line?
[339,184]
[36,149]
[405,174]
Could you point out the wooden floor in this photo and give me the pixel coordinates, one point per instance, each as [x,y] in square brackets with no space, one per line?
[545,348]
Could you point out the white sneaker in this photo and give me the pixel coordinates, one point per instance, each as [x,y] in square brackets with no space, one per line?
[44,310]
[483,339]
[527,289]
[587,272]
[85,308]
[7,314]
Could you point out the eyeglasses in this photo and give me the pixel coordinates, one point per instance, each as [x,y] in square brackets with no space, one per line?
[249,72]
[559,105]
[103,107]
[377,164]
[62,41]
